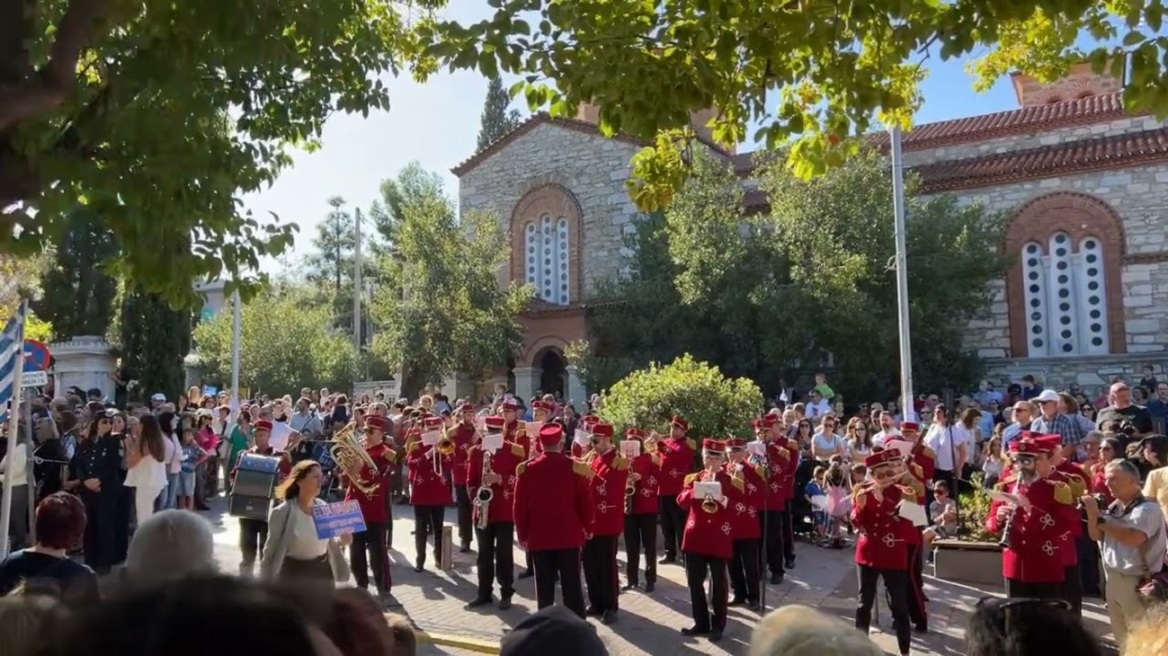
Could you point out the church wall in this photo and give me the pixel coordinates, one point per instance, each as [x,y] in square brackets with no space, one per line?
[591,167]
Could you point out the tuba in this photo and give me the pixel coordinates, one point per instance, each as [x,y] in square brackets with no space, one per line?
[485,493]
[348,453]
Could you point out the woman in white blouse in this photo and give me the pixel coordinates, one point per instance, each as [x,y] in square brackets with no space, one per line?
[293,550]
[145,465]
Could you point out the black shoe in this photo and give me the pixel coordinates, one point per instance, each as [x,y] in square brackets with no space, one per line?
[776,578]
[438,559]
[419,565]
[695,631]
[388,600]
[631,585]
[593,611]
[668,560]
[465,548]
[526,574]
[480,601]
[921,627]
[608,617]
[715,635]
[789,563]
[505,603]
[738,601]
[754,605]
[649,586]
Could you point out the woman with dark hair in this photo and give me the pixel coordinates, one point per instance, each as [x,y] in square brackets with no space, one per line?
[96,468]
[1023,627]
[293,550]
[1154,452]
[146,462]
[60,522]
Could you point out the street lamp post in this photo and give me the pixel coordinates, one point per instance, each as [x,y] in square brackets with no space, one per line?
[907,406]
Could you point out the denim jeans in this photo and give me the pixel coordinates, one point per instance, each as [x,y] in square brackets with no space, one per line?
[172,490]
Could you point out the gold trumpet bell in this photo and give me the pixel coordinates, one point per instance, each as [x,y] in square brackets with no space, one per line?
[446,446]
[709,506]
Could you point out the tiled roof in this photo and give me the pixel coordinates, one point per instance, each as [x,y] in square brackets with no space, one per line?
[538,119]
[1075,157]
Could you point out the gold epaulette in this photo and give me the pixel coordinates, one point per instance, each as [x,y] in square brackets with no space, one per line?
[1078,485]
[452,432]
[621,463]
[738,483]
[917,471]
[413,446]
[1063,493]
[691,478]
[929,452]
[761,471]
[583,470]
[691,444]
[471,449]
[518,450]
[521,430]
[520,468]
[656,457]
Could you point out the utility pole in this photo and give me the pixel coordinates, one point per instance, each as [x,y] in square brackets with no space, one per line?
[357,285]
[907,406]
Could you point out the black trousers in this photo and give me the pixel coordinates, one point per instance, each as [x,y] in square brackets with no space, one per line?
[1073,587]
[122,523]
[774,527]
[428,519]
[1018,589]
[672,524]
[99,541]
[465,515]
[253,534]
[697,566]
[1089,564]
[641,534]
[897,585]
[564,564]
[599,557]
[789,533]
[744,570]
[372,543]
[496,558]
[916,586]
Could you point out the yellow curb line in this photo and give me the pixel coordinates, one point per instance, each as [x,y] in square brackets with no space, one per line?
[459,642]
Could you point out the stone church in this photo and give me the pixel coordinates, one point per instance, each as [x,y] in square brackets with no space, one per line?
[1084,182]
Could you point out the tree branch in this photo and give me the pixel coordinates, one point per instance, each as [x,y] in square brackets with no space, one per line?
[56,78]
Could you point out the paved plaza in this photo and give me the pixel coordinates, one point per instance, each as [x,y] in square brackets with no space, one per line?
[649,624]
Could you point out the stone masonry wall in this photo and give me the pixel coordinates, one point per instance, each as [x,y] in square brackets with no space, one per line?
[593,168]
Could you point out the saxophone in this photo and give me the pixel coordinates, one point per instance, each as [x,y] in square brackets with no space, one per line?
[630,493]
[485,494]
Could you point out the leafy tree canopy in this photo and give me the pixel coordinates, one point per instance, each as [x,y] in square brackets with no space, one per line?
[161,115]
[20,278]
[498,119]
[443,309]
[79,292]
[288,343]
[809,74]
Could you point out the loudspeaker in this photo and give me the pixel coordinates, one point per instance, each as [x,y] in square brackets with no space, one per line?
[251,494]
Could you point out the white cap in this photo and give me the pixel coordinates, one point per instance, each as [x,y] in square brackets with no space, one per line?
[1047,395]
[159,397]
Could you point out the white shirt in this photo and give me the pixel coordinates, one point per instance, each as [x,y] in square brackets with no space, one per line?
[19,466]
[879,438]
[945,441]
[301,540]
[813,410]
[148,473]
[173,455]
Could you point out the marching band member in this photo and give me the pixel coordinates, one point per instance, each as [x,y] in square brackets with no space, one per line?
[782,461]
[580,450]
[611,471]
[253,533]
[707,542]
[914,479]
[674,458]
[881,550]
[922,455]
[374,508]
[1032,530]
[641,516]
[553,511]
[495,532]
[1074,476]
[463,436]
[514,430]
[429,492]
[746,527]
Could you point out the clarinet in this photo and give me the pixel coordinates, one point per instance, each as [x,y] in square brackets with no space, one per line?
[1007,528]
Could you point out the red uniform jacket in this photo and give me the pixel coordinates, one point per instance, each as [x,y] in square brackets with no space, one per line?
[707,534]
[579,450]
[374,507]
[916,481]
[1074,476]
[504,463]
[1035,534]
[676,460]
[744,505]
[645,500]
[427,486]
[782,459]
[463,436]
[882,542]
[516,433]
[608,492]
[553,502]
[925,458]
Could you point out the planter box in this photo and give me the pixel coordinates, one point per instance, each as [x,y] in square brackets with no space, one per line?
[975,563]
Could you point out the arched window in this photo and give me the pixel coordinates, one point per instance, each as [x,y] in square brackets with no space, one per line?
[1066,314]
[547,258]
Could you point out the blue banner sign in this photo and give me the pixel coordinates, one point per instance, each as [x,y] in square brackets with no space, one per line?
[336,519]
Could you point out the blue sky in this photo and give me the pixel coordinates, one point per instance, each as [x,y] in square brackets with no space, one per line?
[437,124]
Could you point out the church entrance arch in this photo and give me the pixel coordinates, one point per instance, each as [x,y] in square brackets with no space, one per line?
[553,378]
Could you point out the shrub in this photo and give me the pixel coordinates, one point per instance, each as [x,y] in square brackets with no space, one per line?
[972,513]
[714,405]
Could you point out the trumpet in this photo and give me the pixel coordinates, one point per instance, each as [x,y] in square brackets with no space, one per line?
[709,504]
[485,494]
[650,445]
[348,453]
[446,445]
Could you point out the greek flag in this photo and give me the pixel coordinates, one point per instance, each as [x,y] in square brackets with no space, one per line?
[11,350]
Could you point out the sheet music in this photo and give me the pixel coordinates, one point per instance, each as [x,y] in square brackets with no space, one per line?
[913,512]
[281,433]
[532,428]
[630,448]
[708,490]
[492,442]
[756,448]
[582,438]
[430,438]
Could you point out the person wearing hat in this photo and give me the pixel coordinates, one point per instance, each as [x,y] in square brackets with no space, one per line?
[779,468]
[1073,475]
[253,533]
[922,455]
[1031,533]
[675,459]
[641,523]
[708,542]
[495,471]
[881,549]
[581,450]
[373,541]
[429,492]
[553,512]
[1052,421]
[913,476]
[514,429]
[463,434]
[746,529]
[608,485]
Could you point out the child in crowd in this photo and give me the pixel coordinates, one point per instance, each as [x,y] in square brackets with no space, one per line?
[838,486]
[817,496]
[943,511]
[193,456]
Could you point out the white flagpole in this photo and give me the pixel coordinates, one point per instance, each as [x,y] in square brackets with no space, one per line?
[13,426]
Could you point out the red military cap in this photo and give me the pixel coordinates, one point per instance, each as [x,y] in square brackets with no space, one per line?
[678,422]
[551,434]
[510,405]
[377,423]
[603,429]
[713,447]
[770,419]
[263,425]
[881,458]
[736,443]
[1028,444]
[635,434]
[589,420]
[541,405]
[759,424]
[466,407]
[495,423]
[910,426]
[1050,443]
[433,422]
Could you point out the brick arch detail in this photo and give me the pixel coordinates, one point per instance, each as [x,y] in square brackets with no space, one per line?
[1080,216]
[556,200]
[537,348]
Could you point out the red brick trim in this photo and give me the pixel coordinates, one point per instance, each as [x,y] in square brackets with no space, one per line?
[1079,215]
[556,201]
[1146,258]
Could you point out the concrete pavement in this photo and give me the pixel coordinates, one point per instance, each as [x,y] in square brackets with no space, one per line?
[648,624]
